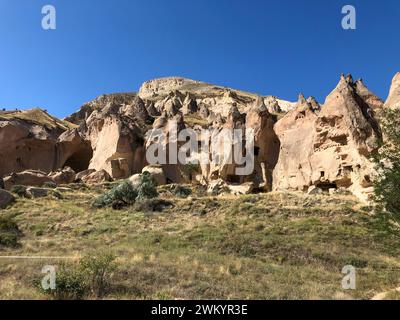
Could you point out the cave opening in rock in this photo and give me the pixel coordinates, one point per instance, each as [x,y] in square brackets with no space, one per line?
[234,179]
[325,186]
[79,160]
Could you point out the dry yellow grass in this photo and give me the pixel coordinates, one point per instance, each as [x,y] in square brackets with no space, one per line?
[38,116]
[266,246]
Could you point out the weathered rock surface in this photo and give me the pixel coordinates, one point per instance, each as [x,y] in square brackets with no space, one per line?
[6,198]
[63,176]
[393,100]
[27,178]
[79,176]
[28,140]
[157,174]
[110,136]
[34,192]
[97,177]
[328,148]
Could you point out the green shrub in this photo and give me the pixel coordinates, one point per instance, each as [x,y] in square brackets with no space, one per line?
[9,232]
[125,194]
[50,185]
[119,196]
[98,268]
[19,190]
[91,275]
[387,161]
[147,187]
[71,283]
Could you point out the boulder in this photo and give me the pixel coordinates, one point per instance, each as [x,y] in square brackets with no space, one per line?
[241,189]
[135,180]
[6,198]
[34,192]
[27,178]
[64,176]
[97,177]
[157,174]
[83,174]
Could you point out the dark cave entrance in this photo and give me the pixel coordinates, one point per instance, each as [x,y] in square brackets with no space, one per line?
[79,160]
[325,186]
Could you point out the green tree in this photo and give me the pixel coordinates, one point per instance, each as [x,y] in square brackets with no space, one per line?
[387,160]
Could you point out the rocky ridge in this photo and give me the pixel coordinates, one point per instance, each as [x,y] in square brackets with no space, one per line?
[324,145]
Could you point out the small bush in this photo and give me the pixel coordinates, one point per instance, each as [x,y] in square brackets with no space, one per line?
[98,268]
[9,232]
[50,185]
[121,195]
[387,161]
[70,283]
[19,190]
[125,194]
[91,275]
[147,187]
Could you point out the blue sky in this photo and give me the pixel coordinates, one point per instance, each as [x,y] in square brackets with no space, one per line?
[270,47]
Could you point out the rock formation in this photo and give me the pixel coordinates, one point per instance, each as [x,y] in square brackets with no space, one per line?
[393,100]
[28,140]
[330,147]
[312,146]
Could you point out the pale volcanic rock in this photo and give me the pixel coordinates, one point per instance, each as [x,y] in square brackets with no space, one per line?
[189,105]
[370,98]
[393,100]
[110,137]
[63,176]
[266,145]
[324,146]
[28,140]
[96,177]
[156,173]
[32,178]
[328,148]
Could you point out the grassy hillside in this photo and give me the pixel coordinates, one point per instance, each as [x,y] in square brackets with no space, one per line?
[37,116]
[266,246]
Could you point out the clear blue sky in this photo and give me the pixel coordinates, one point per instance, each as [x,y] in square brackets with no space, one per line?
[270,47]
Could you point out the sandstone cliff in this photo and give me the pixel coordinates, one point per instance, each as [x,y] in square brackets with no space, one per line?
[393,100]
[329,146]
[28,140]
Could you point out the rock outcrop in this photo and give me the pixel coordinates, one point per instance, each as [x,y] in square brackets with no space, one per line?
[312,146]
[28,140]
[110,136]
[32,178]
[393,100]
[330,147]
